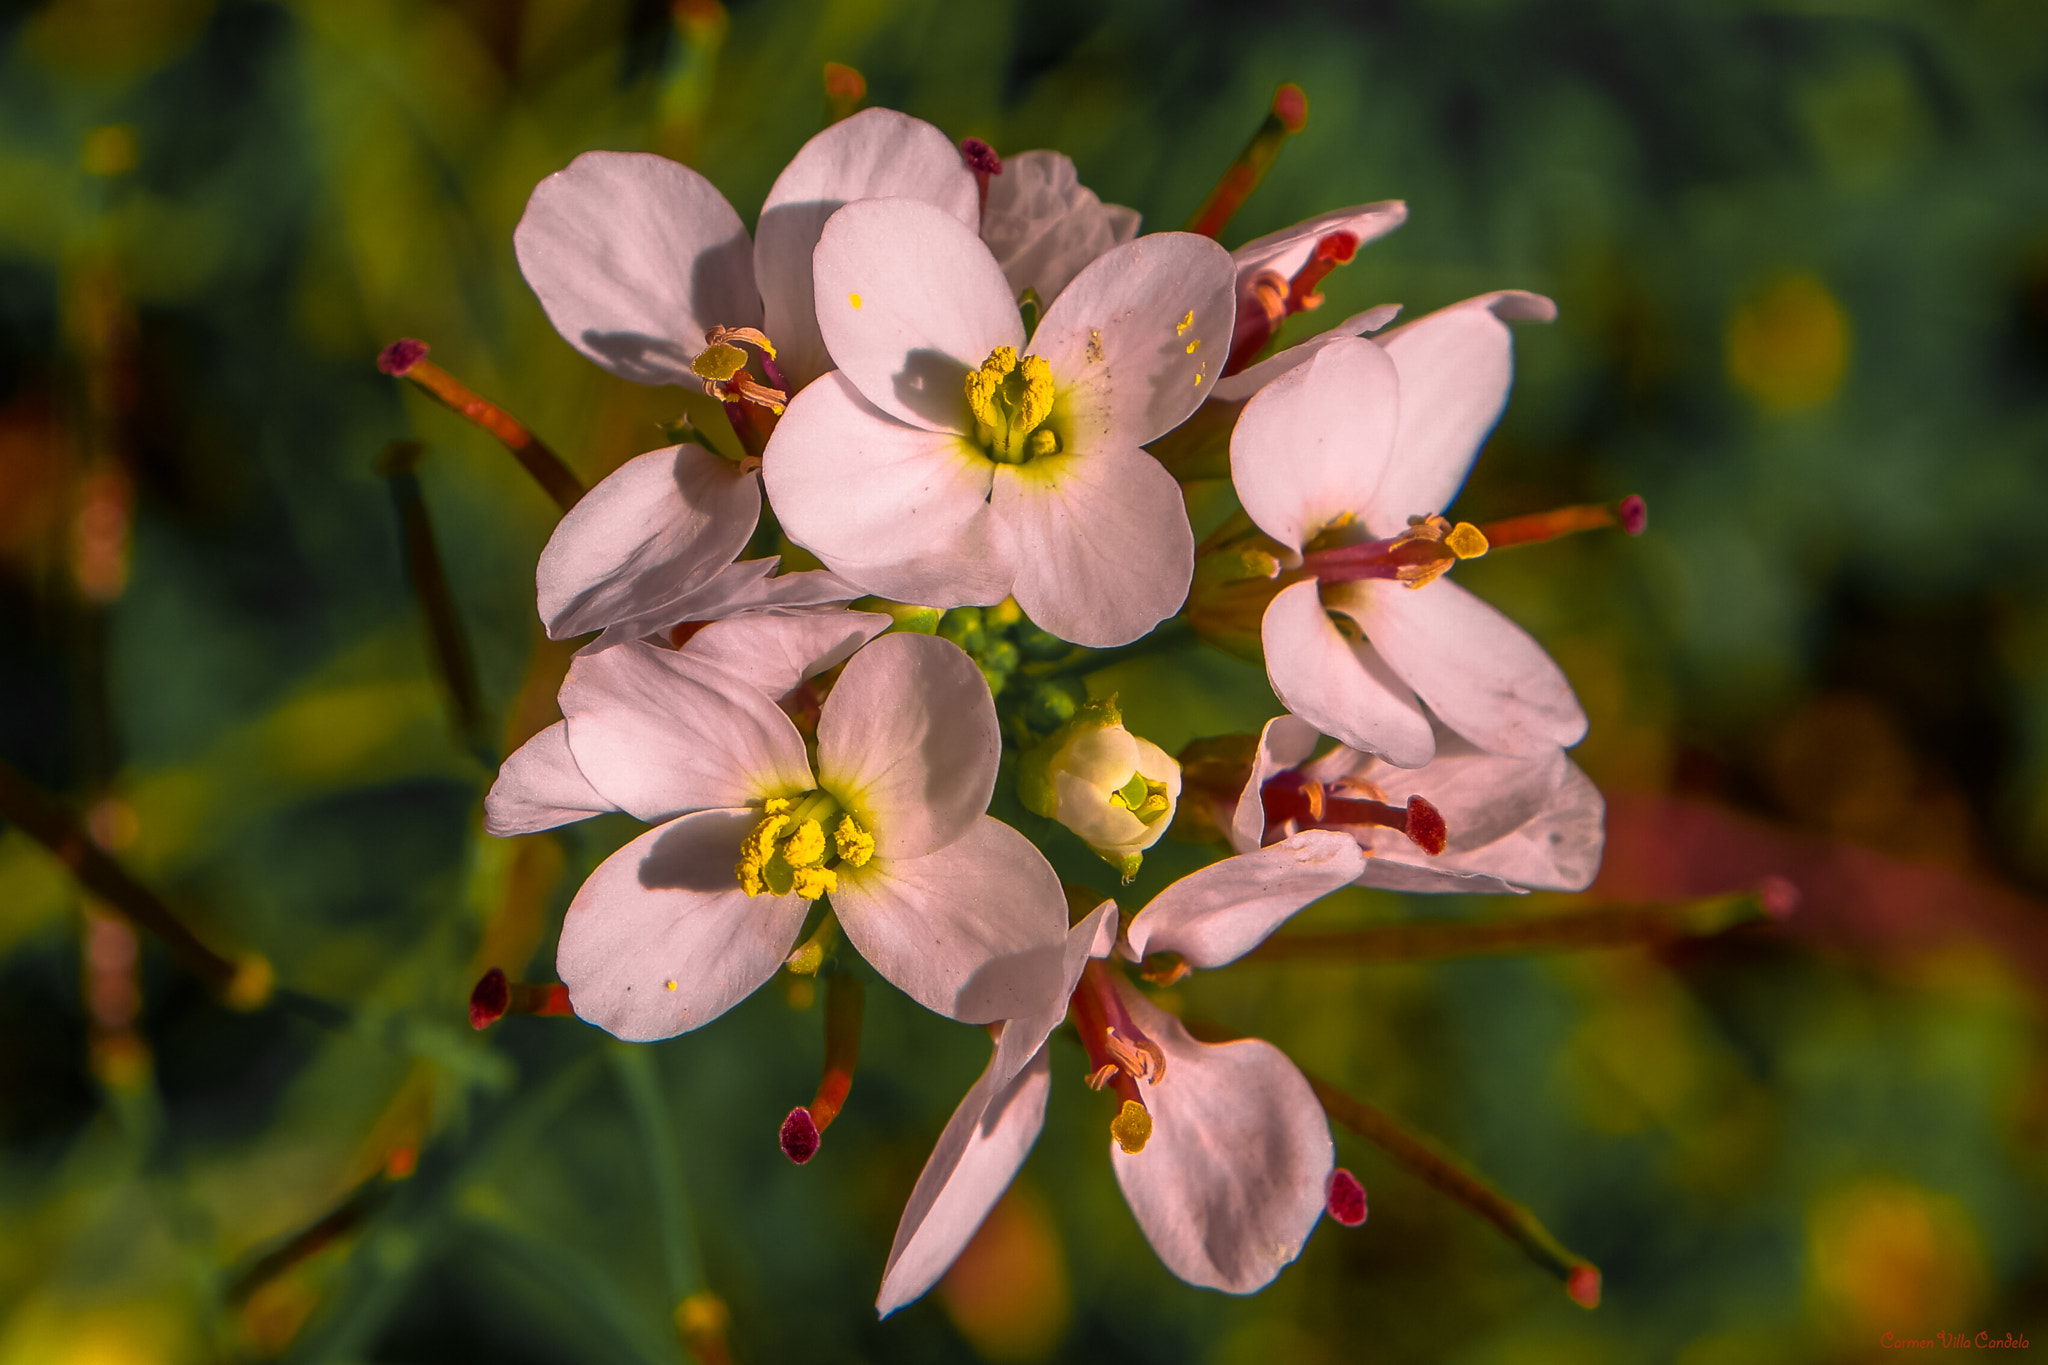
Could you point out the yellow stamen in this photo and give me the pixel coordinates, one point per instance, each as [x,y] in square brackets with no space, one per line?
[1466,541]
[856,845]
[719,362]
[1132,1127]
[1011,399]
[813,882]
[806,847]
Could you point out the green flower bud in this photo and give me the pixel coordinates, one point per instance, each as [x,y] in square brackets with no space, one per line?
[1112,788]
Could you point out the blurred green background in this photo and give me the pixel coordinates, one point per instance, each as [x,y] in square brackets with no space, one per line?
[1800,251]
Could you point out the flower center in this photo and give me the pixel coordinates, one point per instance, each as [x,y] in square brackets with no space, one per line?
[1120,1053]
[1418,556]
[722,365]
[788,851]
[1011,400]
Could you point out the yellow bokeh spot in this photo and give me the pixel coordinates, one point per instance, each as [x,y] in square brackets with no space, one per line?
[1788,346]
[856,845]
[1885,1254]
[1132,1127]
[1008,1294]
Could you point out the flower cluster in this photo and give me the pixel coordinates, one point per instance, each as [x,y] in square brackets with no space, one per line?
[971,392]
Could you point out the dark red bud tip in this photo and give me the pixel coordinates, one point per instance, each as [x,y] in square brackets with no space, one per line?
[1634,513]
[1290,106]
[980,157]
[1345,1198]
[489,1001]
[800,1136]
[1583,1284]
[401,355]
[1338,248]
[1779,897]
[1426,826]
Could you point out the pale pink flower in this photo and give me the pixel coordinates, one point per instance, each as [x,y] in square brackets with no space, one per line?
[950,462]
[1500,823]
[958,910]
[1222,1150]
[635,257]
[1044,226]
[1347,461]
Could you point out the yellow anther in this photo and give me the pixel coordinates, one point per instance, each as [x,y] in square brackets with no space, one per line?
[719,363]
[757,848]
[1132,1127]
[1466,541]
[1042,442]
[806,847]
[1010,399]
[813,882]
[1185,323]
[986,382]
[856,845]
[776,805]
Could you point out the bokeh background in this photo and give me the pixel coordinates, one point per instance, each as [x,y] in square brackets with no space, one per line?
[1800,251]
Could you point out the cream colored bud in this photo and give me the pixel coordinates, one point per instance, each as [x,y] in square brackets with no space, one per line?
[1114,789]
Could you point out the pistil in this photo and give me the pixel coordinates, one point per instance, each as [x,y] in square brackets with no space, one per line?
[1272,298]
[1418,556]
[1288,116]
[983,161]
[1631,514]
[1119,1053]
[805,1127]
[1011,400]
[1290,796]
[495,997]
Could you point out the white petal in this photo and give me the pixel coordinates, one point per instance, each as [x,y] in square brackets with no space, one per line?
[1236,388]
[746,586]
[658,735]
[908,739]
[776,652]
[1283,742]
[1285,252]
[977,1156]
[540,787]
[1341,688]
[1233,1179]
[898,510]
[1558,849]
[1136,341]
[659,526]
[973,930]
[662,940]
[1220,913]
[1094,936]
[910,301]
[1455,366]
[876,154]
[1478,671]
[1310,447]
[634,256]
[1100,541]
[1044,225]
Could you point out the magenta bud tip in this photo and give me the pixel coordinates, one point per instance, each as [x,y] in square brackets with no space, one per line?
[1344,1197]
[980,157]
[800,1136]
[1634,513]
[1290,106]
[489,1001]
[401,355]
[1779,896]
[1583,1284]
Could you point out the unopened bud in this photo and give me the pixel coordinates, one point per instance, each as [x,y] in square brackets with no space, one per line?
[1114,789]
[1344,1198]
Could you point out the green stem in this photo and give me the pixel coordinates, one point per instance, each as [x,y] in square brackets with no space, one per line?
[658,1144]
[1606,926]
[1427,1159]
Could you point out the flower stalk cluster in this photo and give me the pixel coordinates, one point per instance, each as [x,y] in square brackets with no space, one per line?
[969,391]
